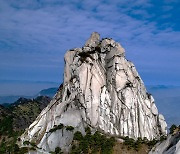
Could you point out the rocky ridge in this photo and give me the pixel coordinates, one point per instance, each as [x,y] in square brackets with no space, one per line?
[102,90]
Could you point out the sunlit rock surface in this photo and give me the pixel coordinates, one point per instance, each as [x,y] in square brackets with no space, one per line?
[101,89]
[170,146]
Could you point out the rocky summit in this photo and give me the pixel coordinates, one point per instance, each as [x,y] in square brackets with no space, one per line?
[101,90]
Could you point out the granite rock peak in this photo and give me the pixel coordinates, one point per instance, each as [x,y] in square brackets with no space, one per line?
[102,90]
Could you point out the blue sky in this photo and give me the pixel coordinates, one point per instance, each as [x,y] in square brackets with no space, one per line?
[35,34]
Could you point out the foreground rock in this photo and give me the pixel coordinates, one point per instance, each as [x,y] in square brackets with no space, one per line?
[169,146]
[101,90]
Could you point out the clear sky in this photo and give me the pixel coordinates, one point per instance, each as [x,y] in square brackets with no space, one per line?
[35,34]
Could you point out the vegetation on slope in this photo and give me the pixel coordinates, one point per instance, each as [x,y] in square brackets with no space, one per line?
[101,144]
[92,143]
[173,129]
[15,118]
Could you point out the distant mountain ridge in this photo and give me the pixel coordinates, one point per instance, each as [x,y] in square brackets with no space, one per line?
[50,92]
[10,99]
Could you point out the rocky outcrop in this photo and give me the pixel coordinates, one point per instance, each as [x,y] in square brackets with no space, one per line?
[102,90]
[169,146]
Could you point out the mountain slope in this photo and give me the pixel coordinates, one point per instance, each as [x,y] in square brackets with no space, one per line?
[6,100]
[101,90]
[26,110]
[16,117]
[50,92]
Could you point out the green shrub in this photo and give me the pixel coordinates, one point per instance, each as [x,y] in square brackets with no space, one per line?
[16,148]
[26,143]
[60,126]
[23,150]
[107,145]
[69,128]
[32,148]
[152,143]
[133,144]
[136,144]
[3,147]
[9,145]
[57,151]
[78,136]
[162,138]
[92,143]
[33,144]
[6,126]
[172,128]
[88,130]
[145,140]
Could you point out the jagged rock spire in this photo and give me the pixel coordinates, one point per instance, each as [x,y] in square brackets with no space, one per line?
[93,40]
[102,90]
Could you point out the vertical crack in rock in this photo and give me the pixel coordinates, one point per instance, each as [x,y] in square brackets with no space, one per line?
[102,90]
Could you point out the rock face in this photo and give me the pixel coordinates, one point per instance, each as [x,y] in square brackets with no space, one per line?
[102,90]
[170,146]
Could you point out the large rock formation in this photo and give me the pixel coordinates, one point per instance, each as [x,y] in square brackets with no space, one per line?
[102,90]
